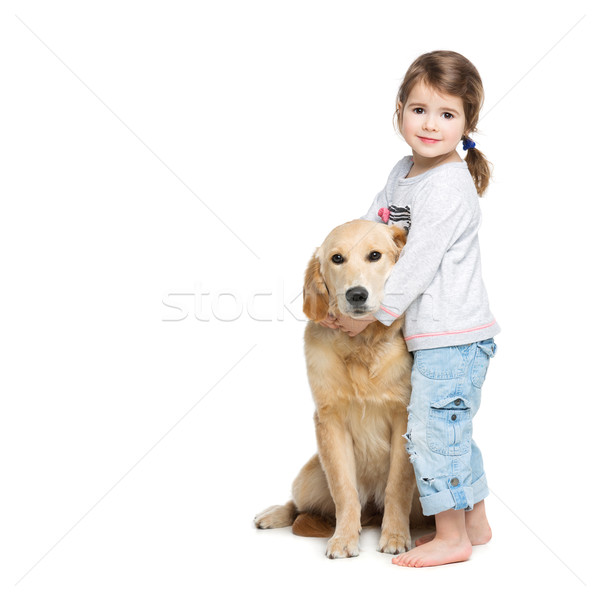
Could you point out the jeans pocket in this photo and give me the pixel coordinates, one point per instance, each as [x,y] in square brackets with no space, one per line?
[449,430]
[442,363]
[485,350]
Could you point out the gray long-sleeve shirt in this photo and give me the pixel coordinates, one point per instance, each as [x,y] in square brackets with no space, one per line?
[437,280]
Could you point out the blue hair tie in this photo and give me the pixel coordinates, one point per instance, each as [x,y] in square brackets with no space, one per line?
[468,144]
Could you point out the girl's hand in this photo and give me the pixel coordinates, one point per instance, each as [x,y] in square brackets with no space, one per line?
[354,326]
[329,321]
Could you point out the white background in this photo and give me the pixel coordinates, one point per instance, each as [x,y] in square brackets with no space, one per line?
[157,155]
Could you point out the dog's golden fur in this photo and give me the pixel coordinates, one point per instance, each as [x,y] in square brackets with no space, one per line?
[361,388]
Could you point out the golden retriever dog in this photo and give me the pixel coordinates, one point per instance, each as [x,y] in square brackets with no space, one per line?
[361,388]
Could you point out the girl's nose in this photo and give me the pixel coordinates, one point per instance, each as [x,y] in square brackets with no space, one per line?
[430,123]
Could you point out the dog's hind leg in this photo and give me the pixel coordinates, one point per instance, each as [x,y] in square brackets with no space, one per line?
[313,499]
[311,492]
[310,495]
[276,516]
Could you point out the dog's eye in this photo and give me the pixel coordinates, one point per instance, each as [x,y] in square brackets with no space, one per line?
[374,256]
[338,259]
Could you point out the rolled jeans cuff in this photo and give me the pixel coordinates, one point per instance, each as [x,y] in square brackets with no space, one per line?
[457,498]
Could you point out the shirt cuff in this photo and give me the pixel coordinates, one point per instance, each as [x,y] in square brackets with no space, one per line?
[385,316]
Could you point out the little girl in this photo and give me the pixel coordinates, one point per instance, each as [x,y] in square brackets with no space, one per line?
[437,285]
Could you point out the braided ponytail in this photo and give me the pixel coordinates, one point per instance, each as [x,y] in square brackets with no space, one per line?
[479,166]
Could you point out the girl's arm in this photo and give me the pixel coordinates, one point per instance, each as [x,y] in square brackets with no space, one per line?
[439,217]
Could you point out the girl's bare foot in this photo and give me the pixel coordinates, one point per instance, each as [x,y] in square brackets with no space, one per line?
[477,538]
[437,552]
[477,526]
[451,543]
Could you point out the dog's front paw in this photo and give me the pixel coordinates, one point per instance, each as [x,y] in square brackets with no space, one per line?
[342,546]
[394,542]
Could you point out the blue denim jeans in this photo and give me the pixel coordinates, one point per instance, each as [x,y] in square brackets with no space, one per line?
[446,393]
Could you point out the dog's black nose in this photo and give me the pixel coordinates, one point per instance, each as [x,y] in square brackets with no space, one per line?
[357,295]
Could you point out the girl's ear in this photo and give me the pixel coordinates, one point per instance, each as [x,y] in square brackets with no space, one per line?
[315,293]
[399,236]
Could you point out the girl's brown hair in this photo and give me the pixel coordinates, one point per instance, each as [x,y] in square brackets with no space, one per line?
[452,74]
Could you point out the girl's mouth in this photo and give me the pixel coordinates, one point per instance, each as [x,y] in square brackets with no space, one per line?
[427,140]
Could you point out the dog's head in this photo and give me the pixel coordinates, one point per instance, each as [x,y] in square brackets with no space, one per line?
[347,273]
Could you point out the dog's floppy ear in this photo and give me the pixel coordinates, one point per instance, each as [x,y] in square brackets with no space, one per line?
[399,236]
[315,293]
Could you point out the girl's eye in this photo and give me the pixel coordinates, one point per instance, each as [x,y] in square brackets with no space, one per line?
[338,259]
[418,111]
[374,256]
[448,116]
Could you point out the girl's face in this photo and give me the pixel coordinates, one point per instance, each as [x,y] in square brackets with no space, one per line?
[432,123]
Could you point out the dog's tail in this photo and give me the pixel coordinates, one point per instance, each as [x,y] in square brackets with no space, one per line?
[313,525]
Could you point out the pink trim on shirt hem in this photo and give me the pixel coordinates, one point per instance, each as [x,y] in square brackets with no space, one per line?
[412,337]
[389,312]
